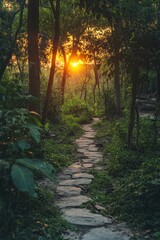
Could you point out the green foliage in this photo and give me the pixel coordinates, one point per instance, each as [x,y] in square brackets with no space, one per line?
[19,138]
[79,109]
[54,111]
[100,186]
[39,165]
[109,103]
[59,149]
[23,179]
[133,173]
[14,95]
[72,124]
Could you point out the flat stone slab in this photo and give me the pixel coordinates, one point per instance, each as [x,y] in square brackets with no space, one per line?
[84,146]
[89,136]
[82,150]
[87,165]
[82,175]
[94,154]
[64,176]
[94,157]
[85,141]
[104,234]
[70,235]
[84,217]
[70,170]
[87,160]
[75,165]
[75,182]
[93,149]
[76,201]
[92,145]
[68,191]
[95,161]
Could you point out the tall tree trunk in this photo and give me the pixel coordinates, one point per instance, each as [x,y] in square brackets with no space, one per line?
[56,13]
[117,82]
[96,84]
[64,77]
[33,52]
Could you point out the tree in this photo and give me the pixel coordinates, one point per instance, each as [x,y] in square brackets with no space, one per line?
[55,42]
[112,12]
[33,52]
[9,31]
[73,24]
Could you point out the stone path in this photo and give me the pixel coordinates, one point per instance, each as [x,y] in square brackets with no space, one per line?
[72,182]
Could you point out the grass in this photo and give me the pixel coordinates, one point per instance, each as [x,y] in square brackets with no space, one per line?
[59,149]
[129,188]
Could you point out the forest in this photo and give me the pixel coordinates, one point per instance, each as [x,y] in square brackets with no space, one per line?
[63,64]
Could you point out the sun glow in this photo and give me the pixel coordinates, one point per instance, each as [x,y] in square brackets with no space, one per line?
[76,64]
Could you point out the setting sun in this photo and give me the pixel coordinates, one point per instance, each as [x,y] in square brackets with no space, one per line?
[76,64]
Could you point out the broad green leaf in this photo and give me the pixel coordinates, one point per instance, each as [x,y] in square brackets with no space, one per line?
[34,132]
[23,179]
[36,164]
[23,145]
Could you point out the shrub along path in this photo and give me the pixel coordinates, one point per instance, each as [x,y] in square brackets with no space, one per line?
[72,194]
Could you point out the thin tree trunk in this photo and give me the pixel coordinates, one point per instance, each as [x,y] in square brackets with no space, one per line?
[84,87]
[135,76]
[56,13]
[117,83]
[64,77]
[96,84]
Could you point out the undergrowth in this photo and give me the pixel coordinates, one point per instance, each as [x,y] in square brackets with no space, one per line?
[34,219]
[39,218]
[134,175]
[58,148]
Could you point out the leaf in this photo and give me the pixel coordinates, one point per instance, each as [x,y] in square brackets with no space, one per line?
[23,179]
[23,145]
[34,132]
[36,164]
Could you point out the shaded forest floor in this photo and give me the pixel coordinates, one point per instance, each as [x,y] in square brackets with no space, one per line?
[123,188]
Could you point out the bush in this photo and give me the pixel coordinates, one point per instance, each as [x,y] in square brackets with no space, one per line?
[59,150]
[79,109]
[137,196]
